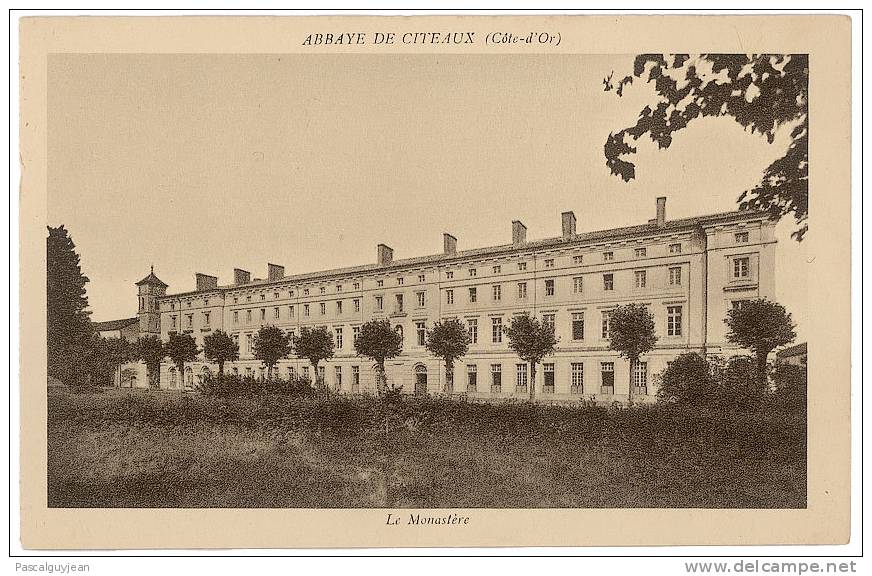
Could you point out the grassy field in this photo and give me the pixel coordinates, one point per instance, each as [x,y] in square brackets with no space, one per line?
[120,449]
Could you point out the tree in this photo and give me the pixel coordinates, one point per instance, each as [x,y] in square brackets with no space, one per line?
[109,354]
[128,376]
[219,347]
[271,344]
[761,92]
[315,345]
[181,348]
[448,340]
[379,341]
[631,332]
[531,340]
[687,380]
[69,332]
[760,326]
[150,350]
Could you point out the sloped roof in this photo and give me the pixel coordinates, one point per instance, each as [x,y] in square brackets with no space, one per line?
[609,235]
[152,279]
[797,350]
[114,324]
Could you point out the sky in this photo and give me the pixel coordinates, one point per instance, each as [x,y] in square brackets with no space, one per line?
[205,163]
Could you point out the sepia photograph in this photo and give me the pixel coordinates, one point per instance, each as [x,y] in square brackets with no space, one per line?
[437,272]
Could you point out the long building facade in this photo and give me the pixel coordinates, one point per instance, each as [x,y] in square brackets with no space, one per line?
[688,272]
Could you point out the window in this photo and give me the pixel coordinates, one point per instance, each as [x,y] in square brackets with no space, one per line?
[338,338]
[355,379]
[521,382]
[172,322]
[306,372]
[522,266]
[673,320]
[741,237]
[236,340]
[449,296]
[548,378]
[449,275]
[497,269]
[548,320]
[290,312]
[248,316]
[608,282]
[471,378]
[741,267]
[421,278]
[496,378]
[189,321]
[737,304]
[608,256]
[420,296]
[338,377]
[380,283]
[578,284]
[578,325]
[248,340]
[522,290]
[607,374]
[399,299]
[576,384]
[473,295]
[236,316]
[549,262]
[339,287]
[356,304]
[675,276]
[305,309]
[323,289]
[606,325]
[321,372]
[379,303]
[323,307]
[173,306]
[472,326]
[675,248]
[641,277]
[640,375]
[472,272]
[549,287]
[578,259]
[421,330]
[355,332]
[356,286]
[497,292]
[399,330]
[640,252]
[339,306]
[291,294]
[262,296]
[400,281]
[305,292]
[496,330]
[248,298]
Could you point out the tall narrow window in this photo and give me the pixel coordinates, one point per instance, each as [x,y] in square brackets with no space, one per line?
[673,320]
[357,304]
[473,295]
[276,312]
[607,376]
[338,378]
[496,330]
[641,277]
[578,284]
[675,276]
[496,378]
[548,378]
[548,320]
[608,282]
[236,317]
[379,303]
[578,325]
[399,298]
[305,309]
[640,375]
[522,290]
[420,297]
[521,383]
[606,324]
[339,306]
[355,379]
[576,384]
[741,267]
[338,338]
[449,296]
[421,330]
[549,287]
[472,324]
[323,307]
[497,291]
[471,378]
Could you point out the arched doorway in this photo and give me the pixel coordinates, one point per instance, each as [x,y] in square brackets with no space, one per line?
[189,378]
[173,381]
[420,379]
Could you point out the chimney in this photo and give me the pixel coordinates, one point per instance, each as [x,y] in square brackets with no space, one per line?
[206,282]
[661,211]
[519,232]
[449,244]
[568,219]
[241,276]
[275,272]
[385,254]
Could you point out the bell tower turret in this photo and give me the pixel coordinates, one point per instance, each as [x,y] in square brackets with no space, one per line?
[150,289]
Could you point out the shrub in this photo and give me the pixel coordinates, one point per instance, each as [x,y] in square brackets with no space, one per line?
[739,385]
[791,387]
[235,385]
[686,380]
